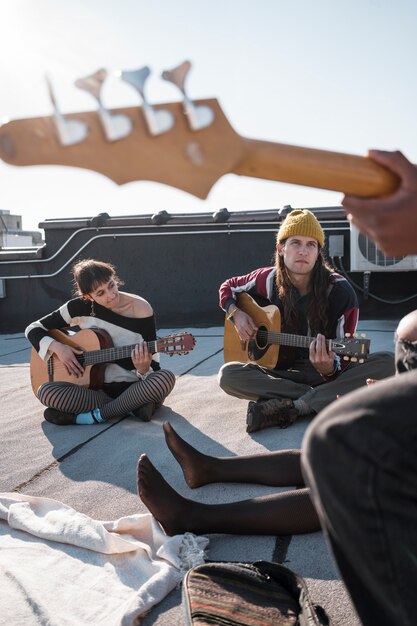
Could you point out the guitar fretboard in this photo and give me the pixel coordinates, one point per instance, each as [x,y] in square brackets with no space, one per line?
[284,339]
[108,355]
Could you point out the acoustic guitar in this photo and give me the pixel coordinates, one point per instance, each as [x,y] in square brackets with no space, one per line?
[98,350]
[263,348]
[188,145]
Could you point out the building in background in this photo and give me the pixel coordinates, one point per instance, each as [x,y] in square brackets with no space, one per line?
[13,236]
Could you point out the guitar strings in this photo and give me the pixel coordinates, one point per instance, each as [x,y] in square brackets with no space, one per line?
[293,340]
[171,345]
[285,339]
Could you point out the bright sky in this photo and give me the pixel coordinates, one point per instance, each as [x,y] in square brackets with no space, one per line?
[332,74]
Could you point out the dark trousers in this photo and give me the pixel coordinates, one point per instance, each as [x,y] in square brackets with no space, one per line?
[360,460]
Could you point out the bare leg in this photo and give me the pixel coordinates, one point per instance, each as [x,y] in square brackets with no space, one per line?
[287,513]
[277,469]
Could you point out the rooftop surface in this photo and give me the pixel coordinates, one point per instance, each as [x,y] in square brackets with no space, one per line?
[92,468]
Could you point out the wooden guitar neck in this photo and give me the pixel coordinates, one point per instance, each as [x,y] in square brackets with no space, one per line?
[191,160]
[316,168]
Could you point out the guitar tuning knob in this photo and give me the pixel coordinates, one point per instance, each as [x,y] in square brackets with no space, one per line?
[70,131]
[199,116]
[346,358]
[136,78]
[93,83]
[347,334]
[115,126]
[158,120]
[354,359]
[177,75]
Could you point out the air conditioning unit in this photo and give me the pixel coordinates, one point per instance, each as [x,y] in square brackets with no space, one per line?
[365,256]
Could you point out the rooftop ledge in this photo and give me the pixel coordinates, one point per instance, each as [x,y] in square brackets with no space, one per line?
[162,218]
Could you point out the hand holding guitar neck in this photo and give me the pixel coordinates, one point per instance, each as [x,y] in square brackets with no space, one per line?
[188,145]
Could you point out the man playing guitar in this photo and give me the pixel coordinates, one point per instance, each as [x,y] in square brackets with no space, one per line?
[312,299]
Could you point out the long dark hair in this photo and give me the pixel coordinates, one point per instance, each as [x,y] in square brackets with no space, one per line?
[319,282]
[89,274]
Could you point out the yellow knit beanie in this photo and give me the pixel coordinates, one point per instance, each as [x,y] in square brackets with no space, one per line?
[301,222]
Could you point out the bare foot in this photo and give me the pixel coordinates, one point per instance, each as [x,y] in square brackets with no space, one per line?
[196,466]
[172,511]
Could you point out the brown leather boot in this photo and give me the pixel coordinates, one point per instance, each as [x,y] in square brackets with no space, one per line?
[278,412]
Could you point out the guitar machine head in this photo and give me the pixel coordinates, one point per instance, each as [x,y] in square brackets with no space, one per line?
[188,144]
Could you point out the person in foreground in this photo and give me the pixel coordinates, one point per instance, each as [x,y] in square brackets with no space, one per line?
[286,513]
[313,300]
[360,455]
[135,383]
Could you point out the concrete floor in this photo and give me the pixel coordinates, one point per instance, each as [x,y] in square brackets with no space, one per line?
[92,468]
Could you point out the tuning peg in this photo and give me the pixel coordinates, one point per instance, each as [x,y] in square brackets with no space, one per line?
[363,335]
[115,126]
[199,116]
[158,120]
[347,335]
[346,358]
[69,131]
[354,359]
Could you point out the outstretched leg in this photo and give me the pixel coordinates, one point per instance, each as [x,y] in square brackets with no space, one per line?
[287,513]
[277,469]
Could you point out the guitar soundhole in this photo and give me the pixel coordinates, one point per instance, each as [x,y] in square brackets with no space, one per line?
[258,345]
[262,337]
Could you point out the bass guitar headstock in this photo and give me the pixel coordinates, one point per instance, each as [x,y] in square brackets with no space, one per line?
[188,144]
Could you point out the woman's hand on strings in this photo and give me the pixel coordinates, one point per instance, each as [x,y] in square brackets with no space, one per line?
[68,357]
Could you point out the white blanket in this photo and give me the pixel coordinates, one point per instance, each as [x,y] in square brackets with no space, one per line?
[62,568]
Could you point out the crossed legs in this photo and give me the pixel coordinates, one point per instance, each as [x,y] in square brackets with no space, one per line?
[289,512]
[71,398]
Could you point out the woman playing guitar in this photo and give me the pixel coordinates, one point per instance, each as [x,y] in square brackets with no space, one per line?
[135,383]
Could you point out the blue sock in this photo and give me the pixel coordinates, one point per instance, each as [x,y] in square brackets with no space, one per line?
[90,417]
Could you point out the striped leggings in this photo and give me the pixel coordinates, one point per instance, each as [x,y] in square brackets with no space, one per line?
[71,398]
